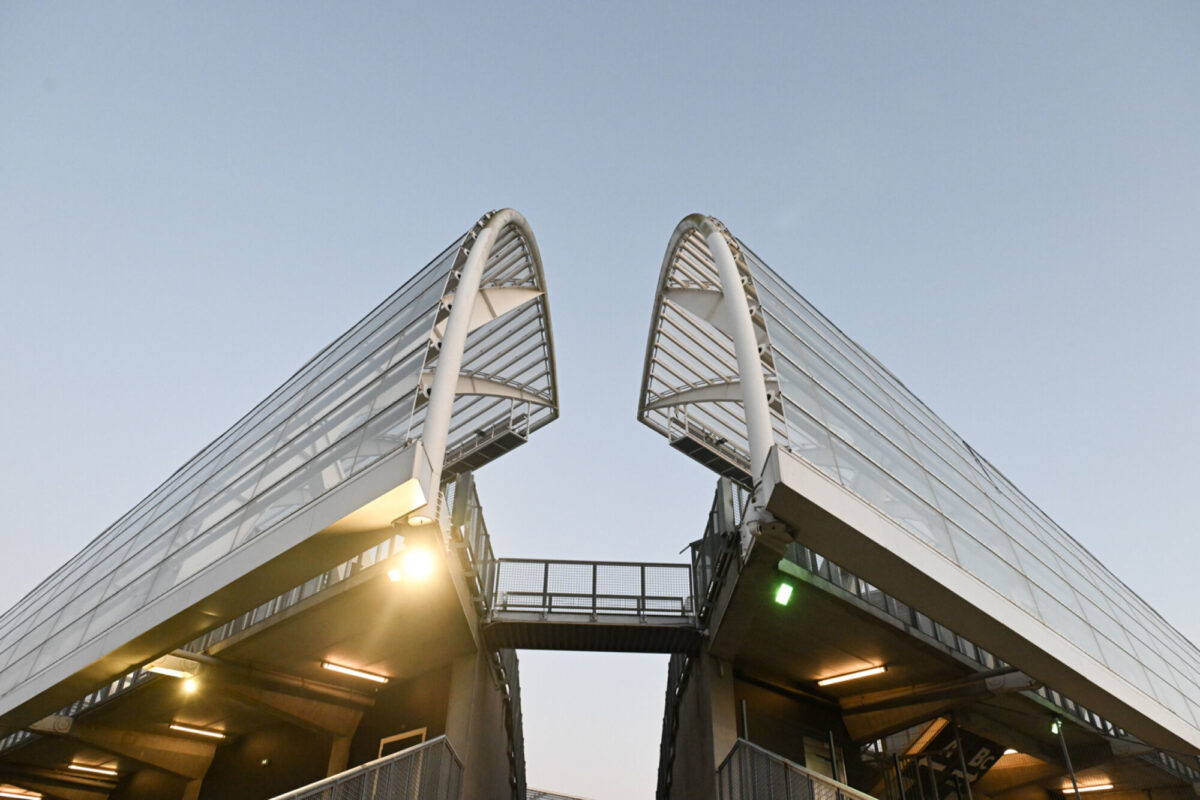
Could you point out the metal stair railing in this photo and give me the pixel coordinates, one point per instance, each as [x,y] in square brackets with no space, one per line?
[429,771]
[750,772]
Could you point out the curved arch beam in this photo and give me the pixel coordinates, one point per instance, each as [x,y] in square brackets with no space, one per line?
[745,345]
[485,387]
[458,325]
[732,316]
[731,391]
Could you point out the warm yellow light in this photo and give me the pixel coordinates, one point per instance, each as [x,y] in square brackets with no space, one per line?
[849,676]
[418,564]
[175,726]
[928,735]
[394,574]
[173,667]
[356,673]
[417,518]
[21,795]
[1099,787]
[1010,752]
[191,685]
[110,773]
[170,673]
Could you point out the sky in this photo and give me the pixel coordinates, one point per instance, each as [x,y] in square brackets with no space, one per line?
[999,201]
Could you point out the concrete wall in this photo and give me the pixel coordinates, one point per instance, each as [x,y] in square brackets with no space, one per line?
[476,729]
[417,703]
[294,757]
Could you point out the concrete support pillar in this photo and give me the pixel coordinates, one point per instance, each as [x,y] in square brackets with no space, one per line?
[192,790]
[725,712]
[476,729]
[461,701]
[339,755]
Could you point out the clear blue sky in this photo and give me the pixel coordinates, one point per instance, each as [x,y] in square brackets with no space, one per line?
[1001,202]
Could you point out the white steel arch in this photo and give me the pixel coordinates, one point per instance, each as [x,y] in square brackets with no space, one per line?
[708,381]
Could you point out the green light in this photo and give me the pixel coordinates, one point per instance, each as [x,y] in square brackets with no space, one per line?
[1056,726]
[783,595]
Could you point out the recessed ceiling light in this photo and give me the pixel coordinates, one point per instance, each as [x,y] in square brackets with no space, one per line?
[109,773]
[1010,752]
[175,726]
[357,673]
[173,666]
[850,676]
[1099,787]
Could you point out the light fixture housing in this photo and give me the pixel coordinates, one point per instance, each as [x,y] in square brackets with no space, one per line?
[419,518]
[850,676]
[105,771]
[21,795]
[1099,787]
[355,673]
[1010,751]
[209,732]
[783,595]
[173,666]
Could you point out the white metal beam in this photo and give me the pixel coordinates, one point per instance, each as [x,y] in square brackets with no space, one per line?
[475,385]
[731,391]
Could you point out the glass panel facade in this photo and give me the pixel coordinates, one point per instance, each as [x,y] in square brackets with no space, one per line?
[854,421]
[302,441]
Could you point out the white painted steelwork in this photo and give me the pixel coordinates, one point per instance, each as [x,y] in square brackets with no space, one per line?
[314,473]
[1022,587]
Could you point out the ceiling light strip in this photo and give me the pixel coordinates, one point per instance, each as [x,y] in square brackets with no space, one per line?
[849,676]
[175,726]
[356,673]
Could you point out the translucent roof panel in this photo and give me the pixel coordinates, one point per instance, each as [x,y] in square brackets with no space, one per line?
[352,405]
[842,412]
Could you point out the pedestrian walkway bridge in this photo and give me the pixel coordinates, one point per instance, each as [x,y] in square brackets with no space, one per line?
[591,605]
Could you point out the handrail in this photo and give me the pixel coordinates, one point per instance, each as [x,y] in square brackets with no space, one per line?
[597,588]
[671,564]
[434,748]
[752,765]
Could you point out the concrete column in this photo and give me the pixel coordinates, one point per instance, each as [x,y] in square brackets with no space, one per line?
[462,698]
[725,727]
[339,755]
[192,790]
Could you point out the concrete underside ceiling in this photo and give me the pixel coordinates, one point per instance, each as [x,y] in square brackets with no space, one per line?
[837,524]
[268,675]
[823,631]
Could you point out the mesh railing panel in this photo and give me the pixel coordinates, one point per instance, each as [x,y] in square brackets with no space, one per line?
[593,587]
[752,773]
[429,771]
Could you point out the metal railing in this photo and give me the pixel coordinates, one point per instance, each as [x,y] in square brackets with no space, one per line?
[842,579]
[751,773]
[718,547]
[429,771]
[470,534]
[596,588]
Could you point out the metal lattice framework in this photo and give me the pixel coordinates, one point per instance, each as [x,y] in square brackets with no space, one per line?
[451,371]
[876,453]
